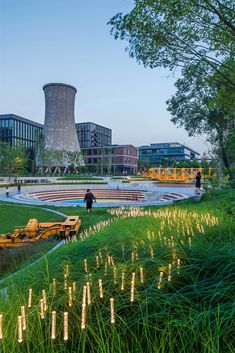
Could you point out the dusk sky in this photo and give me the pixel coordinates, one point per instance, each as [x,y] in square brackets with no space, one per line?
[68,41]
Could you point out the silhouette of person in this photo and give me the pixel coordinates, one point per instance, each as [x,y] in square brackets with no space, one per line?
[198,180]
[89,197]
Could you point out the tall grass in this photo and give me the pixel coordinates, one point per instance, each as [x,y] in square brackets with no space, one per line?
[192,311]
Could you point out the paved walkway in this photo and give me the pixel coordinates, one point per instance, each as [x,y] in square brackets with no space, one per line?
[155,195]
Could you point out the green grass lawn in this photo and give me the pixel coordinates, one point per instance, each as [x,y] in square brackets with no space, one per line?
[179,300]
[15,215]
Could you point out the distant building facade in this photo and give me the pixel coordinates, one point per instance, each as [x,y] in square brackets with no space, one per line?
[116,159]
[155,153]
[16,130]
[93,135]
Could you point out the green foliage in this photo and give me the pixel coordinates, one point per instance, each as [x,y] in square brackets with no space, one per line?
[13,159]
[197,36]
[176,33]
[196,108]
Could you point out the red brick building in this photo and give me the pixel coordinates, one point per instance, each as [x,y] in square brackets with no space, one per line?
[115,159]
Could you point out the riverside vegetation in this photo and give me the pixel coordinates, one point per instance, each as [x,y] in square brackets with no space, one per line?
[140,280]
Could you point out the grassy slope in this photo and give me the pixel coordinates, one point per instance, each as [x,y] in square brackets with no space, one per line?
[13,215]
[193,313]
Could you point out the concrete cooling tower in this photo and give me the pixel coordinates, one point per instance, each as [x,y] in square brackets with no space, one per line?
[59,127]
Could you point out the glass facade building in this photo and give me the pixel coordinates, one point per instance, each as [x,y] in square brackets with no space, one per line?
[93,135]
[156,152]
[17,130]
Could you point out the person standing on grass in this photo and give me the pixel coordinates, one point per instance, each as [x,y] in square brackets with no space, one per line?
[89,197]
[198,181]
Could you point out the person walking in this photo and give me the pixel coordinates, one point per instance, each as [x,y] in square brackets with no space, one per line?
[198,181]
[7,191]
[89,197]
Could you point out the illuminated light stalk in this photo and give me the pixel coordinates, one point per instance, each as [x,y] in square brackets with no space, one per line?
[42,313]
[74,290]
[112,313]
[70,297]
[20,330]
[190,242]
[88,293]
[101,289]
[178,266]
[90,279]
[123,250]
[53,325]
[22,310]
[109,260]
[141,275]
[160,280]
[97,262]
[101,257]
[54,287]
[136,254]
[44,299]
[66,271]
[105,268]
[30,298]
[132,287]
[132,257]
[1,331]
[84,295]
[83,320]
[66,326]
[151,252]
[65,282]
[169,272]
[123,281]
[85,265]
[114,275]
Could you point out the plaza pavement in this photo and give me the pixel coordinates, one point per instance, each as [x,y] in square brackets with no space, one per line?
[155,194]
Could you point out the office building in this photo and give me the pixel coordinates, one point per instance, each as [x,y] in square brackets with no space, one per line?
[155,153]
[16,130]
[93,135]
[116,159]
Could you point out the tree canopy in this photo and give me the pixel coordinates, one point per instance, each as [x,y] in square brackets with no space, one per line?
[197,36]
[196,107]
[172,33]
[12,159]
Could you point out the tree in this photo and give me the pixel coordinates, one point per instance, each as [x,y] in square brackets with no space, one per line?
[75,160]
[39,151]
[196,107]
[192,35]
[13,160]
[175,33]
